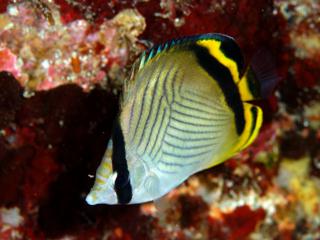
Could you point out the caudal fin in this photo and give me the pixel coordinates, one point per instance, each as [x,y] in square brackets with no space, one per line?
[260,78]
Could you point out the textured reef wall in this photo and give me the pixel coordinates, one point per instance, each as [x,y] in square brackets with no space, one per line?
[62,64]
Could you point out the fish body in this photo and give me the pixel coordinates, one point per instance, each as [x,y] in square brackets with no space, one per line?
[184,109]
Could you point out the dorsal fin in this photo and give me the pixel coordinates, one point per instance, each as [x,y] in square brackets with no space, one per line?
[228,46]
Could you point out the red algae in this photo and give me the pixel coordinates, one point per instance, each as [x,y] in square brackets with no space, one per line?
[193,211]
[64,60]
[237,224]
[3,5]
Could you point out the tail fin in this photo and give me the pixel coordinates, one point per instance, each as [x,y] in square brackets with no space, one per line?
[260,78]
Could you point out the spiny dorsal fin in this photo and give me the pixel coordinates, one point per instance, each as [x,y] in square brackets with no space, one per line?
[228,46]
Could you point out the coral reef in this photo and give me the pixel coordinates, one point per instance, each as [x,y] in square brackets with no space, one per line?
[62,63]
[51,53]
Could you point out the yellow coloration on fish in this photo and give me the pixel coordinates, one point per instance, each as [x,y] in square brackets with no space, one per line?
[252,128]
[247,137]
[214,49]
[255,127]
[246,94]
[183,110]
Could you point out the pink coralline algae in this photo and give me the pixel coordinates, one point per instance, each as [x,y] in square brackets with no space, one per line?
[50,53]
[8,62]
[62,65]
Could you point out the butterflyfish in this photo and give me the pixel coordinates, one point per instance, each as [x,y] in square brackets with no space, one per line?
[187,106]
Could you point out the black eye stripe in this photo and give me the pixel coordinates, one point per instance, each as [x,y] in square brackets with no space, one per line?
[122,184]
